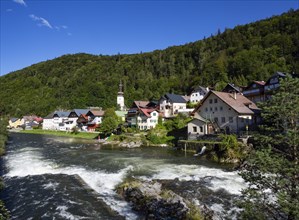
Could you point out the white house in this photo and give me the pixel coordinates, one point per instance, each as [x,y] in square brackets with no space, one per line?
[147,119]
[226,112]
[198,126]
[172,104]
[56,120]
[198,94]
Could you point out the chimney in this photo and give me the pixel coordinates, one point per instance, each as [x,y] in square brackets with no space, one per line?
[234,95]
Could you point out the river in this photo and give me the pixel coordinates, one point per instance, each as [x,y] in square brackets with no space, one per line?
[51,177]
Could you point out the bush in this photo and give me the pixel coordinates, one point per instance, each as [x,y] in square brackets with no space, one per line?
[229,147]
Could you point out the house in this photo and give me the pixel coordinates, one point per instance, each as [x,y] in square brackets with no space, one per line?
[172,104]
[147,118]
[32,121]
[198,126]
[255,91]
[48,123]
[57,121]
[272,84]
[82,122]
[198,93]
[225,112]
[73,116]
[15,122]
[95,118]
[231,88]
[143,115]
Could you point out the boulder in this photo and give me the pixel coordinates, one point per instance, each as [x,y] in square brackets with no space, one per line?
[148,198]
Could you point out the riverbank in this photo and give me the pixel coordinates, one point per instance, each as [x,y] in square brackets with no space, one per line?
[85,135]
[4,214]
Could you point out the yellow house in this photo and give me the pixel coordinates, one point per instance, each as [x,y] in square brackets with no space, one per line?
[15,122]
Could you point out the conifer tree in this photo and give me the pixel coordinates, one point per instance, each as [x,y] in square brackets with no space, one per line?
[272,172]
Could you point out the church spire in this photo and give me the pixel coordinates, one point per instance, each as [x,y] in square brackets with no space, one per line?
[120,91]
[120,97]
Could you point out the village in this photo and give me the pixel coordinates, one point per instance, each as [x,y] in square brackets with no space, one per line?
[230,111]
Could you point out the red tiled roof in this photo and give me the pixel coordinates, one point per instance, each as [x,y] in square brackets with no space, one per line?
[147,111]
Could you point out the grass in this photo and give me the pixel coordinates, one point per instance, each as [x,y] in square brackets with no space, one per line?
[85,135]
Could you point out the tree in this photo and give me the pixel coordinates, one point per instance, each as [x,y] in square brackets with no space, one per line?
[110,121]
[272,171]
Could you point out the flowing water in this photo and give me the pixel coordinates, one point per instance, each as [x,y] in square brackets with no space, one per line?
[50,177]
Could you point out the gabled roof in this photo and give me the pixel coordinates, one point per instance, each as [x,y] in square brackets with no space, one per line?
[241,104]
[260,83]
[174,98]
[278,75]
[147,112]
[199,118]
[13,119]
[98,113]
[49,116]
[61,114]
[141,104]
[84,116]
[80,111]
[199,89]
[231,86]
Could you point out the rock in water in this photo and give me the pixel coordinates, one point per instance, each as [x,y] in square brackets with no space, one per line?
[154,203]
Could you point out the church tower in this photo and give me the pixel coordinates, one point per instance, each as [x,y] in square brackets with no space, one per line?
[120,98]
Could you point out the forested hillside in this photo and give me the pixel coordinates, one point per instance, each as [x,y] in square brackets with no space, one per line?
[250,52]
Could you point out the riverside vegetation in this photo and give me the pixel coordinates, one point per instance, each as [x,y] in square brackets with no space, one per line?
[4,214]
[240,55]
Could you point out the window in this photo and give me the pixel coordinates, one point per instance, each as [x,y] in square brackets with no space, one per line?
[211,109]
[201,129]
[207,109]
[216,119]
[221,108]
[230,119]
[211,101]
[216,109]
[223,119]
[154,114]
[242,120]
[194,129]
[215,100]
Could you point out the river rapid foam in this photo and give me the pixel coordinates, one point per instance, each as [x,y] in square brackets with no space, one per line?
[49,163]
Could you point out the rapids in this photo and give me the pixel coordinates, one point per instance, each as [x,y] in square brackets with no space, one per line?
[50,177]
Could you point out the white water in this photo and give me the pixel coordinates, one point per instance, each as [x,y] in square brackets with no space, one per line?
[29,161]
[230,181]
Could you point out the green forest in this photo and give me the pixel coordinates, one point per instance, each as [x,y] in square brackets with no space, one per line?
[239,55]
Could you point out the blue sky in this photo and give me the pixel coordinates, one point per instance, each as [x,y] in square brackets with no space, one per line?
[35,31]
